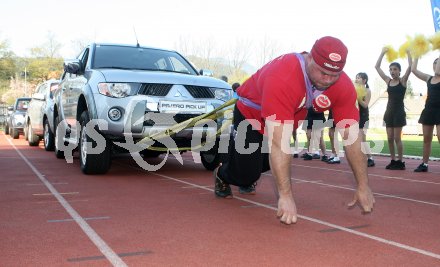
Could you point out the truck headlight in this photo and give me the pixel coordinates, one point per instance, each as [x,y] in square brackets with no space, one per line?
[222,94]
[118,90]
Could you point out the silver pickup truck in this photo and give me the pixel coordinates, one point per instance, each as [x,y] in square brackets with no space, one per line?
[131,91]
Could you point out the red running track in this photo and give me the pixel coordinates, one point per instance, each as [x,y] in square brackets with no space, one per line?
[53,215]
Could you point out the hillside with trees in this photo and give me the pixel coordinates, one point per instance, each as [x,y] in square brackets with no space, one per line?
[20,75]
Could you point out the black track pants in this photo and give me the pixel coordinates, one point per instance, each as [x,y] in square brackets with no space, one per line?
[244,169]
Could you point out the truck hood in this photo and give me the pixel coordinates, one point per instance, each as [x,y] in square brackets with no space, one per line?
[142,76]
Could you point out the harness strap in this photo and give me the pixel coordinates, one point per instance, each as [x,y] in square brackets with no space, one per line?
[249,103]
[309,87]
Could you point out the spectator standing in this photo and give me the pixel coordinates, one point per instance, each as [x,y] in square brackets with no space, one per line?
[430,116]
[395,116]
[363,97]
[234,89]
[314,126]
[334,141]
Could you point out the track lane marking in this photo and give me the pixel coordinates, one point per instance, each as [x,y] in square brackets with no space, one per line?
[347,188]
[50,194]
[371,174]
[352,189]
[109,254]
[330,225]
[44,184]
[94,258]
[86,219]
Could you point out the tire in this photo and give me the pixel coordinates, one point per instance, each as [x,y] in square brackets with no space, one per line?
[25,132]
[7,128]
[58,153]
[92,163]
[211,158]
[14,133]
[33,139]
[48,137]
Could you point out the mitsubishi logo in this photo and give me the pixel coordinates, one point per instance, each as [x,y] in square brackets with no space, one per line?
[178,94]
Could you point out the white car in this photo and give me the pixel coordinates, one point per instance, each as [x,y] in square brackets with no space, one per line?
[39,116]
[16,119]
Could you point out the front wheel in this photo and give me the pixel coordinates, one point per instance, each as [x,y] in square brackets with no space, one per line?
[14,133]
[92,163]
[58,138]
[33,139]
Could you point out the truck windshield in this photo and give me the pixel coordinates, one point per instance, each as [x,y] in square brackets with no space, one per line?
[139,58]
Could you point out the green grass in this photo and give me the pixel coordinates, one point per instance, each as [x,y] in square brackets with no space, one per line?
[412,144]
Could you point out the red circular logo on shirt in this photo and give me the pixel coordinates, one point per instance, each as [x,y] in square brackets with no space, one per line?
[322,101]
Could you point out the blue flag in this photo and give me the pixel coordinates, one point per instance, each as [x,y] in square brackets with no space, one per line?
[435,5]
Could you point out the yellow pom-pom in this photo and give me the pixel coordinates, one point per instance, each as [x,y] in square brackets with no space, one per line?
[404,47]
[435,41]
[419,45]
[360,91]
[391,53]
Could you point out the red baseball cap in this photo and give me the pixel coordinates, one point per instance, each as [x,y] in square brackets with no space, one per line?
[329,53]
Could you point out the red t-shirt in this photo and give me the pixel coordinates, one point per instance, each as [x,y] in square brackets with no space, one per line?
[279,88]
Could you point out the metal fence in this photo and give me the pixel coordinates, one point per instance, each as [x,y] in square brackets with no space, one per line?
[413,127]
[3,113]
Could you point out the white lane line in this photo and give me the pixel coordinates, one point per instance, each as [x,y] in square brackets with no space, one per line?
[331,225]
[49,194]
[371,174]
[44,185]
[55,201]
[93,236]
[87,219]
[349,188]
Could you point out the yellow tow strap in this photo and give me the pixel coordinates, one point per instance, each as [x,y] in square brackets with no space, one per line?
[219,112]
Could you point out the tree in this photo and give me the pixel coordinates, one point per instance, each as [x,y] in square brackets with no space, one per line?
[45,62]
[50,49]
[79,44]
[238,56]
[267,50]
[7,61]
[8,66]
[409,89]
[206,55]
[42,69]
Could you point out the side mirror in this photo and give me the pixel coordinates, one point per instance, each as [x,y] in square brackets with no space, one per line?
[72,67]
[206,72]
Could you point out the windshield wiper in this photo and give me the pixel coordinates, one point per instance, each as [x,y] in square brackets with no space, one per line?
[164,70]
[115,67]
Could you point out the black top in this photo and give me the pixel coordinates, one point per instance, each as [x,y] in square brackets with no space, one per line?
[363,111]
[433,99]
[396,94]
